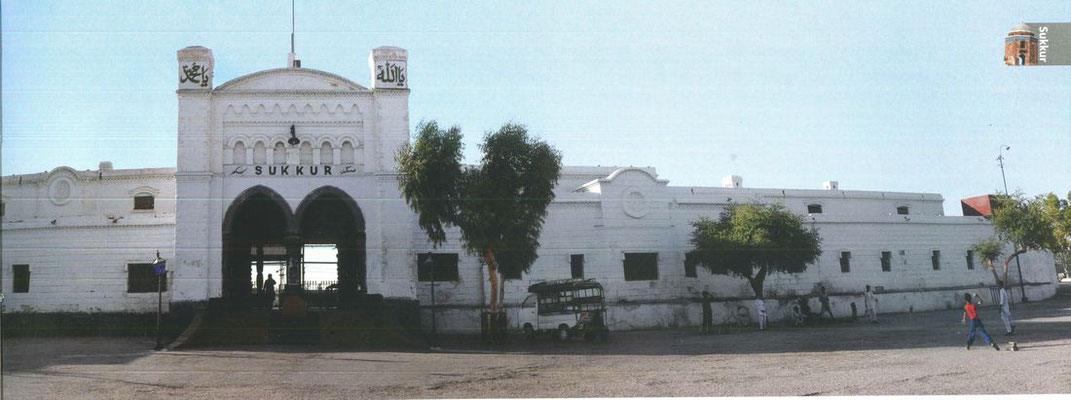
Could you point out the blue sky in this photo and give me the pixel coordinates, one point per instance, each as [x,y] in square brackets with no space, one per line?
[897,96]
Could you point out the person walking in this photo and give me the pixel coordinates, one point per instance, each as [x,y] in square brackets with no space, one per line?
[871,305]
[269,291]
[708,314]
[760,305]
[970,316]
[1005,310]
[822,298]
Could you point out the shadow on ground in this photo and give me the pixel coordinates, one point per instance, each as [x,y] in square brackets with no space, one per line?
[1038,324]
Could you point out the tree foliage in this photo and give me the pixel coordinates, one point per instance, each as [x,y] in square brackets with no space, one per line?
[1058,211]
[1022,222]
[499,205]
[989,251]
[751,241]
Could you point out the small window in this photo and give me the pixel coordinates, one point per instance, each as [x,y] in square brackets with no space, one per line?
[935,259]
[576,265]
[814,208]
[886,261]
[1022,44]
[445,267]
[689,265]
[278,155]
[239,153]
[641,266]
[21,277]
[144,202]
[902,210]
[140,278]
[845,261]
[970,259]
[327,154]
[346,156]
[305,154]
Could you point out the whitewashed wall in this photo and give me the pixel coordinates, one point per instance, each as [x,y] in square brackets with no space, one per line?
[78,246]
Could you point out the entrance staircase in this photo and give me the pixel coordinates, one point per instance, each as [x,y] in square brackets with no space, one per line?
[371,321]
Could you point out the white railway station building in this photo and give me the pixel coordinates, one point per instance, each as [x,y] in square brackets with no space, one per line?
[273,163]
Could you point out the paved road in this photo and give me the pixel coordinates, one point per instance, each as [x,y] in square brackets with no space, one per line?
[919,353]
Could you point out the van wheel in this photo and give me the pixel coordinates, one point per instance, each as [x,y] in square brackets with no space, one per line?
[563,333]
[529,332]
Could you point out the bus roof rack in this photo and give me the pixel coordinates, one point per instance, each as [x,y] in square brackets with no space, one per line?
[563,284]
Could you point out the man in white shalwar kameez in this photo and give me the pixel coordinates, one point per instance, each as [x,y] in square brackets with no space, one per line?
[1005,309]
[871,304]
[760,305]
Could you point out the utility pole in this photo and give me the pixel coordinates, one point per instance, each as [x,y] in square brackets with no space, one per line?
[159,267]
[1018,267]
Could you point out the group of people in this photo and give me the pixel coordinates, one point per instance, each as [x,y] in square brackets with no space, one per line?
[801,312]
[974,322]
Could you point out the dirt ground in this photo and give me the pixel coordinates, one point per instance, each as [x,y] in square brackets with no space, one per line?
[919,353]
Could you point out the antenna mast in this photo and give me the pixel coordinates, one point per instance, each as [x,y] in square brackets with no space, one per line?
[292,61]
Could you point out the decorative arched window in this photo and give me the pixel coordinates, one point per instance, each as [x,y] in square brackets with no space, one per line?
[259,153]
[327,154]
[279,154]
[239,153]
[347,152]
[305,154]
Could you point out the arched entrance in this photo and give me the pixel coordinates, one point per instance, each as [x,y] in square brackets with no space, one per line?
[257,229]
[330,216]
[261,235]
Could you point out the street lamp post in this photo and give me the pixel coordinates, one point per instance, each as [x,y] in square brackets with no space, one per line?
[159,267]
[1018,267]
[430,265]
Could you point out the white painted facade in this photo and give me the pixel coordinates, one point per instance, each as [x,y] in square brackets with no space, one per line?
[77,230]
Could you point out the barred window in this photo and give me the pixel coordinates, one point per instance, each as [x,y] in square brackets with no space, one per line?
[444,264]
[140,278]
[641,266]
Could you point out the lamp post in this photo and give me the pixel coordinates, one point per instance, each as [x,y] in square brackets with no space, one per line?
[159,267]
[429,264]
[1018,267]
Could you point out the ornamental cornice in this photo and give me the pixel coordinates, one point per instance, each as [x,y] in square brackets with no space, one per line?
[291,122]
[14,226]
[391,92]
[251,94]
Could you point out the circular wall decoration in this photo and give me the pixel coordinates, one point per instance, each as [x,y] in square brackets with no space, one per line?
[59,191]
[635,204]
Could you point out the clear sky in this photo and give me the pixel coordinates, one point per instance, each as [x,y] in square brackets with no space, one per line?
[897,96]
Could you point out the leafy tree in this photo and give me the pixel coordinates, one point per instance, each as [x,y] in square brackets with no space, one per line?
[751,241]
[989,252]
[1058,211]
[499,205]
[1022,222]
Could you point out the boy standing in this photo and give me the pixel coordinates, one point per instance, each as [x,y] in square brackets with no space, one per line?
[975,323]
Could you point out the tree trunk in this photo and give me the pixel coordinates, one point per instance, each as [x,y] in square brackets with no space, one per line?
[492,276]
[992,268]
[756,282]
[1008,260]
[502,294]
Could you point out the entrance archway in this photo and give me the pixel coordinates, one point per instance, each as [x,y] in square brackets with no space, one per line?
[330,216]
[258,218]
[261,235]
